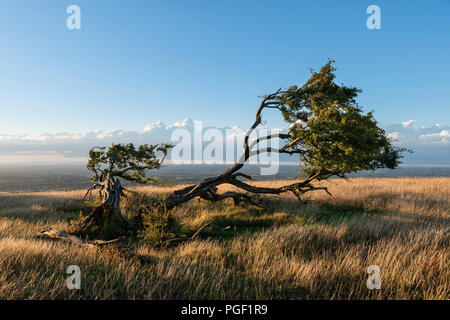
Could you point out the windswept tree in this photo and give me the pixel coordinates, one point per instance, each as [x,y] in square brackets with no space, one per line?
[328,132]
[109,166]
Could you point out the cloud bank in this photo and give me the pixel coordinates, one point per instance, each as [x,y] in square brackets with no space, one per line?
[430,145]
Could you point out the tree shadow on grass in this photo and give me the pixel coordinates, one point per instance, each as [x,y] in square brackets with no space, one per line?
[242,220]
[363,224]
[39,207]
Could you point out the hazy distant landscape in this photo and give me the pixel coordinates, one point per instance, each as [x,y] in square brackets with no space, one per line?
[64,177]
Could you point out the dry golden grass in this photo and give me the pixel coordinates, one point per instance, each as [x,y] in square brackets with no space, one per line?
[316,251]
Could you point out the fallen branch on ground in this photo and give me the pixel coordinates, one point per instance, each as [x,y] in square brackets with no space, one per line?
[111,246]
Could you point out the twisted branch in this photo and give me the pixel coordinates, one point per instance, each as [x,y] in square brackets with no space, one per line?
[207,189]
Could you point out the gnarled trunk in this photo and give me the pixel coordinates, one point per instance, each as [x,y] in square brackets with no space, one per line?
[207,189]
[106,219]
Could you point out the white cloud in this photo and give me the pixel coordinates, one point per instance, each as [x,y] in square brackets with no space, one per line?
[156,125]
[409,123]
[428,143]
[394,135]
[438,137]
[186,123]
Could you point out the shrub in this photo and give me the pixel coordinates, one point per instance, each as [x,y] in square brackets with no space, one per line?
[158,224]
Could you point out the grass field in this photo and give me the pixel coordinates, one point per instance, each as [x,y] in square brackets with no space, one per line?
[320,250]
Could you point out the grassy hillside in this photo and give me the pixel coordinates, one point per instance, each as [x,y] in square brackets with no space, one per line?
[291,251]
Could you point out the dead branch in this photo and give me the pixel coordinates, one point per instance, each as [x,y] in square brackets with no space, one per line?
[112,247]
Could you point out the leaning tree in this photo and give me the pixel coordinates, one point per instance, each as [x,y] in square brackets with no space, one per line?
[328,132]
[109,166]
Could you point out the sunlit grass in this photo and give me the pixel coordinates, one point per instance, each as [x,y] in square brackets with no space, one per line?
[290,251]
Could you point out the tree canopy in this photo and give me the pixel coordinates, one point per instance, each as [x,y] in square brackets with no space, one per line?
[329,130]
[126,161]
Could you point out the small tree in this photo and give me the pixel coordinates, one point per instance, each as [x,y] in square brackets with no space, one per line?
[109,166]
[328,132]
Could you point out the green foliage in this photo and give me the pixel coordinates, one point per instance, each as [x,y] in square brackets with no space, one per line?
[74,221]
[329,130]
[77,221]
[158,224]
[126,161]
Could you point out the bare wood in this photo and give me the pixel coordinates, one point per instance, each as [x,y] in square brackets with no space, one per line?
[207,189]
[55,234]
[112,247]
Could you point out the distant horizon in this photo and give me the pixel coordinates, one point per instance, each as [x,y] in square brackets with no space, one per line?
[136,72]
[430,145]
[83,164]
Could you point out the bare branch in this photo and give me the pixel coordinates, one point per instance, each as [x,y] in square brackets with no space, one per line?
[91,189]
[265,150]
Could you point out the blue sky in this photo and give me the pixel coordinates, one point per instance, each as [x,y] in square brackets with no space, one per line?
[136,62]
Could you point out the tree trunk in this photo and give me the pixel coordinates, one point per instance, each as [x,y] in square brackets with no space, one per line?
[106,219]
[207,189]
